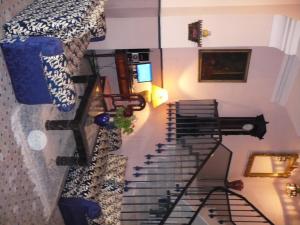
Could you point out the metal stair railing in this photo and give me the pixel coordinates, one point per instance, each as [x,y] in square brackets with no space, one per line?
[181,179]
[199,119]
[238,211]
[184,190]
[165,184]
[161,185]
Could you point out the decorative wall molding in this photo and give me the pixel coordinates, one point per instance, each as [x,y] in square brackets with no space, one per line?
[285,34]
[287,75]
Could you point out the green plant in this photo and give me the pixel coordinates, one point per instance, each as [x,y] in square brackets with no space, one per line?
[124,123]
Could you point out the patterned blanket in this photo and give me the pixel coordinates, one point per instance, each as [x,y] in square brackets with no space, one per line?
[101,182]
[64,19]
[74,22]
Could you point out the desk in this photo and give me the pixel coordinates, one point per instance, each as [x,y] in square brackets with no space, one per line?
[83,127]
[124,72]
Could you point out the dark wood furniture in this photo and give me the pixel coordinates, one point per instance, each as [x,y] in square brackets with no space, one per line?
[124,73]
[83,127]
[130,103]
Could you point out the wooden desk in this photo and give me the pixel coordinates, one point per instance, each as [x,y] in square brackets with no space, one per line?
[123,72]
[122,67]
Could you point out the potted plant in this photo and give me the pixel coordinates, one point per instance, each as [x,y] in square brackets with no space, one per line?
[124,123]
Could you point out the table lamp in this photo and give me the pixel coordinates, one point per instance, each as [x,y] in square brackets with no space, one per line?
[158,96]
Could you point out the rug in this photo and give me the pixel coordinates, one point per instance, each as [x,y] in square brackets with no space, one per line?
[43,172]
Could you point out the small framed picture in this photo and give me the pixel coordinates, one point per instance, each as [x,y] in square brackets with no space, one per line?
[224,65]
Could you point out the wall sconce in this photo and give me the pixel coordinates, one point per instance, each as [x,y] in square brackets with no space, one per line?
[158,96]
[292,189]
[205,33]
[282,158]
[196,32]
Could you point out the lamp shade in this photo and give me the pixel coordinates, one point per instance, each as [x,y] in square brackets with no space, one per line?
[159,96]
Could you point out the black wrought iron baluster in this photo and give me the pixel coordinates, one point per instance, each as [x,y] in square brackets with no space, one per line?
[245,214]
[173,169]
[138,168]
[170,161]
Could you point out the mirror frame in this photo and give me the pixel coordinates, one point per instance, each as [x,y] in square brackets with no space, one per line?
[291,165]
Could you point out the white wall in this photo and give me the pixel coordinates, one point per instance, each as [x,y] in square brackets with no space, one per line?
[288,10]
[212,3]
[130,24]
[226,30]
[231,26]
[131,4]
[292,105]
[131,8]
[126,33]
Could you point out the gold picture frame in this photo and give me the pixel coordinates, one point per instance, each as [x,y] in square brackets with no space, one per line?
[271,165]
[224,65]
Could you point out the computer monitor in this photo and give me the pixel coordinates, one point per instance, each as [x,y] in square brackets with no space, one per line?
[144,72]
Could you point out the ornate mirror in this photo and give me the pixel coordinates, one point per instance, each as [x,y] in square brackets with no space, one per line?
[271,165]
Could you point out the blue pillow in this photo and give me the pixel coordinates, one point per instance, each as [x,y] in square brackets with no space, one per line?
[75,210]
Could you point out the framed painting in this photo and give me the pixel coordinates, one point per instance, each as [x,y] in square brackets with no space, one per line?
[224,65]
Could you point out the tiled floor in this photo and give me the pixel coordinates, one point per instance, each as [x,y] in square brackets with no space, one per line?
[19,204]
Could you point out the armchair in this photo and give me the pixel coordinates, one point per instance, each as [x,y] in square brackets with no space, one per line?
[44,44]
[48,81]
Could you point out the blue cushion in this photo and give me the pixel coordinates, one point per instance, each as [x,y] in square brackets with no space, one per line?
[23,60]
[60,84]
[38,71]
[75,210]
[95,39]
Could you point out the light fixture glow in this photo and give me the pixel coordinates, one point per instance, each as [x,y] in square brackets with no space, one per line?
[159,96]
[292,189]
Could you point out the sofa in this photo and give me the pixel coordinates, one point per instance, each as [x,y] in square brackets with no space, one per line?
[93,194]
[44,44]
